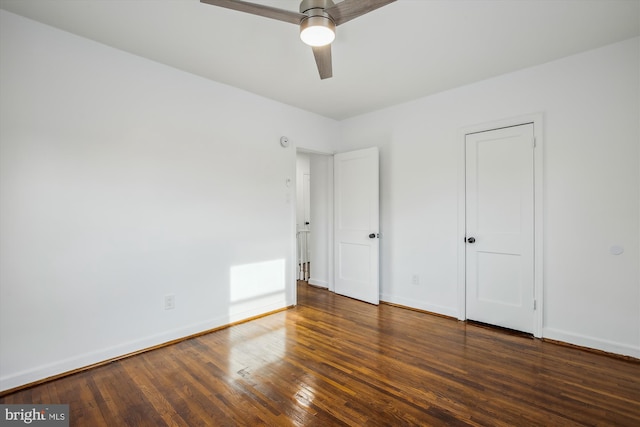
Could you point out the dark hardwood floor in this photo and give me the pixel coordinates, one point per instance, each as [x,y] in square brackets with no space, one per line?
[334,361]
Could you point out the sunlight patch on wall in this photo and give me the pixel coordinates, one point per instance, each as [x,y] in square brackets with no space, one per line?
[257,285]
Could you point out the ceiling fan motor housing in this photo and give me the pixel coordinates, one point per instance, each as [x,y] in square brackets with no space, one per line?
[307,5]
[315,10]
[318,19]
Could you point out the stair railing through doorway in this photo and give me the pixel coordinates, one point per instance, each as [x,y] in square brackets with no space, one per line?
[303,253]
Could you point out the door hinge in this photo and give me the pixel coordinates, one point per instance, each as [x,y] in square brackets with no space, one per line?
[535,305]
[533,142]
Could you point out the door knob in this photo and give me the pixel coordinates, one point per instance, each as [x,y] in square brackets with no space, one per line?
[372,236]
[471,239]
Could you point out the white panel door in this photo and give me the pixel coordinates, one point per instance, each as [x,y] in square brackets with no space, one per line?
[500,227]
[356,224]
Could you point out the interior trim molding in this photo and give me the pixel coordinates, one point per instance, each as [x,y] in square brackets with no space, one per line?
[319,283]
[419,310]
[592,350]
[436,310]
[592,343]
[136,352]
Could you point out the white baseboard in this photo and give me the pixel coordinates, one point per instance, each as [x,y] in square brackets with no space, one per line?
[320,283]
[58,367]
[90,358]
[591,342]
[433,308]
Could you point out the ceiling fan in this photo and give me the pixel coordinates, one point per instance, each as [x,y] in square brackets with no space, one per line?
[317,19]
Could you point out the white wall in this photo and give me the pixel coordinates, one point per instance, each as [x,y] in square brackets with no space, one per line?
[591,190]
[121,181]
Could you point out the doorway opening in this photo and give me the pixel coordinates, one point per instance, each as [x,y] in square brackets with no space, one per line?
[338,243]
[314,218]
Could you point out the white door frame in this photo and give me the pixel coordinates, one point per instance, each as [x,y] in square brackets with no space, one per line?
[292,183]
[537,120]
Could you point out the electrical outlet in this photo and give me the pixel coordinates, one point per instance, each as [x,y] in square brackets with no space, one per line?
[169,302]
[415,279]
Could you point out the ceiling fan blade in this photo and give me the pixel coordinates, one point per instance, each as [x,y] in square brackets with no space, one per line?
[259,9]
[323,60]
[350,9]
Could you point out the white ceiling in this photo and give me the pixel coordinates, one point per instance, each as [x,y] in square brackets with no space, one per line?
[403,51]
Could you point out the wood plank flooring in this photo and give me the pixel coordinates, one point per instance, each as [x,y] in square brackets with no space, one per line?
[333,361]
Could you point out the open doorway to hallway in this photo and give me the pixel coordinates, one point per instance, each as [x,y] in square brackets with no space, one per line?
[314,218]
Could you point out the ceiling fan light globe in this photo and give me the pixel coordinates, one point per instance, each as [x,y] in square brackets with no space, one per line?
[317,36]
[317,31]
